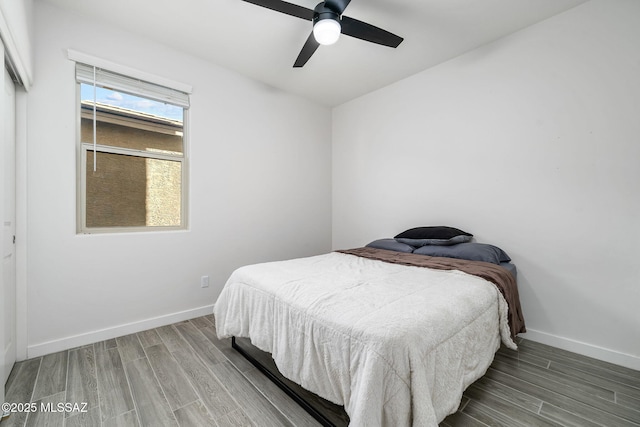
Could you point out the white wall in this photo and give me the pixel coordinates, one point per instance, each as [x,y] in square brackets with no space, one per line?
[531,143]
[259,190]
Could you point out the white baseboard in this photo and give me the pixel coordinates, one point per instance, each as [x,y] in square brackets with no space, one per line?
[600,353]
[54,346]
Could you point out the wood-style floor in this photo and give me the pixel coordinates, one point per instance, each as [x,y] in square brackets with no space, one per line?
[183,375]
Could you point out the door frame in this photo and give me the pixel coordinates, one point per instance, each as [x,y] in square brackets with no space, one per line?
[7,236]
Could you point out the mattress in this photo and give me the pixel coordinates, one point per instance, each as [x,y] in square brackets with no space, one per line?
[395,344]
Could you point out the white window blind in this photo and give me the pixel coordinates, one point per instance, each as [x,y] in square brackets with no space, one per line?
[118,82]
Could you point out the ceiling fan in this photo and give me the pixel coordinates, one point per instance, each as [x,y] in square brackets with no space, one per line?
[328,23]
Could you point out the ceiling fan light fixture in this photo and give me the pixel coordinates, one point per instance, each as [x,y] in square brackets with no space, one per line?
[327,31]
[328,23]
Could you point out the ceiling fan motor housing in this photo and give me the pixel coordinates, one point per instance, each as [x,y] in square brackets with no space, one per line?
[322,12]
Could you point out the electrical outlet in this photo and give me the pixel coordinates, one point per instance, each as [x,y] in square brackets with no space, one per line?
[204,282]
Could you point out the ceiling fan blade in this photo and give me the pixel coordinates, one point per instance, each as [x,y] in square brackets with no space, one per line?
[338,6]
[285,7]
[362,30]
[310,46]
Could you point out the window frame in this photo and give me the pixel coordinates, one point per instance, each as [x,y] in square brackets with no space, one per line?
[81,169]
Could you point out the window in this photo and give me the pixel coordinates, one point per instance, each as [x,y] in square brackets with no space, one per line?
[132,157]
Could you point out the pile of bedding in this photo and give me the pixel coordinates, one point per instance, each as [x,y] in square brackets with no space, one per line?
[447,242]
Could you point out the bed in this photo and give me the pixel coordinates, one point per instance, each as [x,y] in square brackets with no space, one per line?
[392,334]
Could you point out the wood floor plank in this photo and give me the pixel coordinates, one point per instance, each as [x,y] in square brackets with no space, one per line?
[565,418]
[20,385]
[489,416]
[524,356]
[42,418]
[105,345]
[224,346]
[130,348]
[82,383]
[486,406]
[151,406]
[16,419]
[460,419]
[14,372]
[52,378]
[200,344]
[84,419]
[211,319]
[148,338]
[463,403]
[201,322]
[236,418]
[194,414]
[215,397]
[294,412]
[128,419]
[255,404]
[175,385]
[113,387]
[515,397]
[607,383]
[628,401]
[171,338]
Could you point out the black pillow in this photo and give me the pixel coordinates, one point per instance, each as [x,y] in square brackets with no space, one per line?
[440,235]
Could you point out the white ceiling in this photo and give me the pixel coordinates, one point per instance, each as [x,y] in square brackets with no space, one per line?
[263,44]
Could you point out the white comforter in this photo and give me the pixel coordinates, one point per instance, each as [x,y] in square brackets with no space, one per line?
[396,345]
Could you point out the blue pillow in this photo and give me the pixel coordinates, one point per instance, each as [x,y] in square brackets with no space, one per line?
[469,251]
[391,245]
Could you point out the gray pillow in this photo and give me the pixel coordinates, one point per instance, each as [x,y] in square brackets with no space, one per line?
[468,251]
[511,268]
[391,245]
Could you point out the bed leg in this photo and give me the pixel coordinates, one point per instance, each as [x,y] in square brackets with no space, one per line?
[283,386]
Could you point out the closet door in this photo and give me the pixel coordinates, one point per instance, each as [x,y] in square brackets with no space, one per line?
[8,211]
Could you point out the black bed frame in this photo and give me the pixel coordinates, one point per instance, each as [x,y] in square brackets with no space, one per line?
[304,403]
